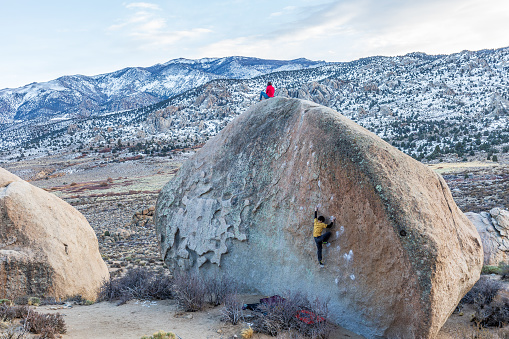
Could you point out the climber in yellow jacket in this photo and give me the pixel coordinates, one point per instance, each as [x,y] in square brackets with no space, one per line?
[321,239]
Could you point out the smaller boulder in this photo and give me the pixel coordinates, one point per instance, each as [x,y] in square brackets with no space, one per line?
[122,233]
[501,221]
[47,247]
[493,227]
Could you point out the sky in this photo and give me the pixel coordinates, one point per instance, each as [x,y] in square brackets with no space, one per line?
[43,40]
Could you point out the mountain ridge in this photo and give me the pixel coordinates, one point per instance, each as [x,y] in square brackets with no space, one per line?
[130,87]
[428,106]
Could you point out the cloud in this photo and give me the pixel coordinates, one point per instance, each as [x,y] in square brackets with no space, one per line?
[144,5]
[291,39]
[434,27]
[286,11]
[349,29]
[159,38]
[149,28]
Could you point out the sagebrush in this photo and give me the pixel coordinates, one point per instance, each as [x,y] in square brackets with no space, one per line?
[48,325]
[218,288]
[138,283]
[232,310]
[190,291]
[280,317]
[490,311]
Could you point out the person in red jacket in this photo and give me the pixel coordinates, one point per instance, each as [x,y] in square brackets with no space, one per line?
[269,92]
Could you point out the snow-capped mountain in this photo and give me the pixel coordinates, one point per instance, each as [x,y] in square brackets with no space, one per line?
[129,88]
[428,106]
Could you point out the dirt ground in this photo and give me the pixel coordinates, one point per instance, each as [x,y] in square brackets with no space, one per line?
[137,318]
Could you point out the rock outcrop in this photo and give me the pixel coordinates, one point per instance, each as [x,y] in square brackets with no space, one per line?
[402,254]
[143,217]
[493,227]
[47,247]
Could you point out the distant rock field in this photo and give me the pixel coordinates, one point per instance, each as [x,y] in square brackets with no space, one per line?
[477,189]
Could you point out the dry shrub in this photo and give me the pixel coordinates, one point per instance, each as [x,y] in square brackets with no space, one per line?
[34,301]
[161,335]
[14,333]
[489,311]
[77,299]
[481,333]
[13,312]
[51,301]
[138,283]
[504,271]
[232,311]
[483,292]
[496,314]
[218,288]
[5,301]
[21,300]
[280,317]
[290,335]
[47,325]
[190,291]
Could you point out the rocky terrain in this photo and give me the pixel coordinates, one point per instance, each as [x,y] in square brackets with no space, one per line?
[435,108]
[450,112]
[477,186]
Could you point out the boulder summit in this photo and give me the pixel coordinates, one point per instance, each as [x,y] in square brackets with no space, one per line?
[402,254]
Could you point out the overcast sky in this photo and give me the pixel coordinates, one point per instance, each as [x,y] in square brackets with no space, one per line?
[42,40]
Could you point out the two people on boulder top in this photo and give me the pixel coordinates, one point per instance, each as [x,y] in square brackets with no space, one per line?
[321,239]
[269,92]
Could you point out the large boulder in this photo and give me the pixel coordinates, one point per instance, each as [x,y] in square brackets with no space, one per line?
[402,253]
[493,227]
[47,247]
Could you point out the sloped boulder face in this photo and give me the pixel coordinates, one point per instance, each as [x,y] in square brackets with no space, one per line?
[47,247]
[402,254]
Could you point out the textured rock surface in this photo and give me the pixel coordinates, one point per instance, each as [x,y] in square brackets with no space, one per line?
[402,253]
[46,246]
[493,227]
